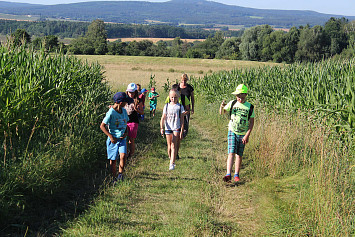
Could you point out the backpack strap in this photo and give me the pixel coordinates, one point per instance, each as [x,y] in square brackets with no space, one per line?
[166,108]
[230,111]
[250,111]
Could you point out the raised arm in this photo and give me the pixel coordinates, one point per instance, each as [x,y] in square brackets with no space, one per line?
[221,108]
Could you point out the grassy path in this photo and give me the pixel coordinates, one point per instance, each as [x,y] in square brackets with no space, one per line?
[189,201]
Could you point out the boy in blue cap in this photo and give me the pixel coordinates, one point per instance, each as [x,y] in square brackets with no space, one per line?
[116,120]
[239,129]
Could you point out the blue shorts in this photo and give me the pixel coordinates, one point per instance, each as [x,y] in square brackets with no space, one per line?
[168,132]
[153,107]
[114,150]
[235,143]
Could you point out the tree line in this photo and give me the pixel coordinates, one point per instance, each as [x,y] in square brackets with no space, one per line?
[259,43]
[68,29]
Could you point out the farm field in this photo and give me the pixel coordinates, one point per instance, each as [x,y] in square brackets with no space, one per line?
[121,70]
[154,40]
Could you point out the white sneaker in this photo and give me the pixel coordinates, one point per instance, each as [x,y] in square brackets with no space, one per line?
[171,167]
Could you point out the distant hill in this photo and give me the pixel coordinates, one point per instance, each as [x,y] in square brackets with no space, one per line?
[171,12]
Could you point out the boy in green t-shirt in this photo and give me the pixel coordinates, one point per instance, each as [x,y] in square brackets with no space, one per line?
[239,129]
[153,100]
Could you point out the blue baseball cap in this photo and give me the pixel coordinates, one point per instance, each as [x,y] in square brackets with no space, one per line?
[143,90]
[122,97]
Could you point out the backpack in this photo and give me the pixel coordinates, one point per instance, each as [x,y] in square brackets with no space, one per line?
[250,110]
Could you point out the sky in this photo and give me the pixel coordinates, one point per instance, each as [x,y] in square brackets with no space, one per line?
[337,7]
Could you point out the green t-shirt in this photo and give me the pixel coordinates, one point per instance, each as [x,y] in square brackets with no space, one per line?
[239,123]
[153,101]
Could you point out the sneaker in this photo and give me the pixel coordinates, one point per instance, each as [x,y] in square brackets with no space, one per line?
[114,181]
[236,178]
[172,167]
[227,178]
[120,177]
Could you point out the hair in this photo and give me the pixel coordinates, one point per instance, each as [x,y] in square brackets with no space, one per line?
[184,76]
[176,87]
[175,91]
[136,98]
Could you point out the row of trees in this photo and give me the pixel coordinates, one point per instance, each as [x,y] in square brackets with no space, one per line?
[68,29]
[260,43]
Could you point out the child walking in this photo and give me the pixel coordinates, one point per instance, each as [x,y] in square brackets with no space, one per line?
[134,110]
[239,129]
[153,95]
[116,120]
[172,121]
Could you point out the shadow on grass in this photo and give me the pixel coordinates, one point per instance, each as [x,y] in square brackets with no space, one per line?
[46,217]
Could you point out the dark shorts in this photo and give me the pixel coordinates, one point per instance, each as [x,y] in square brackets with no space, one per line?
[235,143]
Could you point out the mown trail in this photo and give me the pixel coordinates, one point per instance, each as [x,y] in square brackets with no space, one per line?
[189,201]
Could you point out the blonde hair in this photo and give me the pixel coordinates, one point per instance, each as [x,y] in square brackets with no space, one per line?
[184,76]
[176,92]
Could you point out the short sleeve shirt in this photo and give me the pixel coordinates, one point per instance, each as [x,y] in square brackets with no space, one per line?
[173,113]
[117,122]
[154,100]
[239,123]
[187,91]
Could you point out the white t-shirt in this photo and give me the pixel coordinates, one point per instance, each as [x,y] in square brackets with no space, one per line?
[173,113]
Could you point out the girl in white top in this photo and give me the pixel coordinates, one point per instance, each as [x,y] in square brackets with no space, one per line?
[172,122]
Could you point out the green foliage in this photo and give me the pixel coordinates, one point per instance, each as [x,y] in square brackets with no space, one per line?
[20,37]
[326,87]
[50,107]
[95,41]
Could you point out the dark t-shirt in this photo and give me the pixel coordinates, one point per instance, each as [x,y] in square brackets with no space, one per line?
[187,91]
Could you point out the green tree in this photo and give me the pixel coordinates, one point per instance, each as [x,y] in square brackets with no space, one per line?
[21,37]
[334,29]
[97,36]
[229,49]
[312,44]
[252,42]
[289,48]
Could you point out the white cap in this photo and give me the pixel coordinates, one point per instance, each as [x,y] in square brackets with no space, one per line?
[131,87]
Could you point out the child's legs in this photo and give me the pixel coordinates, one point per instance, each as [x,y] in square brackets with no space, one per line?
[113,168]
[230,162]
[132,134]
[122,163]
[174,146]
[132,146]
[122,151]
[169,138]
[112,155]
[232,149]
[239,153]
[238,163]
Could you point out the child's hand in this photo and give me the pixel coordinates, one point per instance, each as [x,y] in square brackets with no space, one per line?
[114,140]
[223,103]
[245,139]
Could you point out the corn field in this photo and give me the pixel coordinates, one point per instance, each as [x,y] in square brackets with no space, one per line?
[307,111]
[327,87]
[50,108]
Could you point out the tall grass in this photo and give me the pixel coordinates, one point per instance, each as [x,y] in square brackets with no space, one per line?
[50,109]
[303,142]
